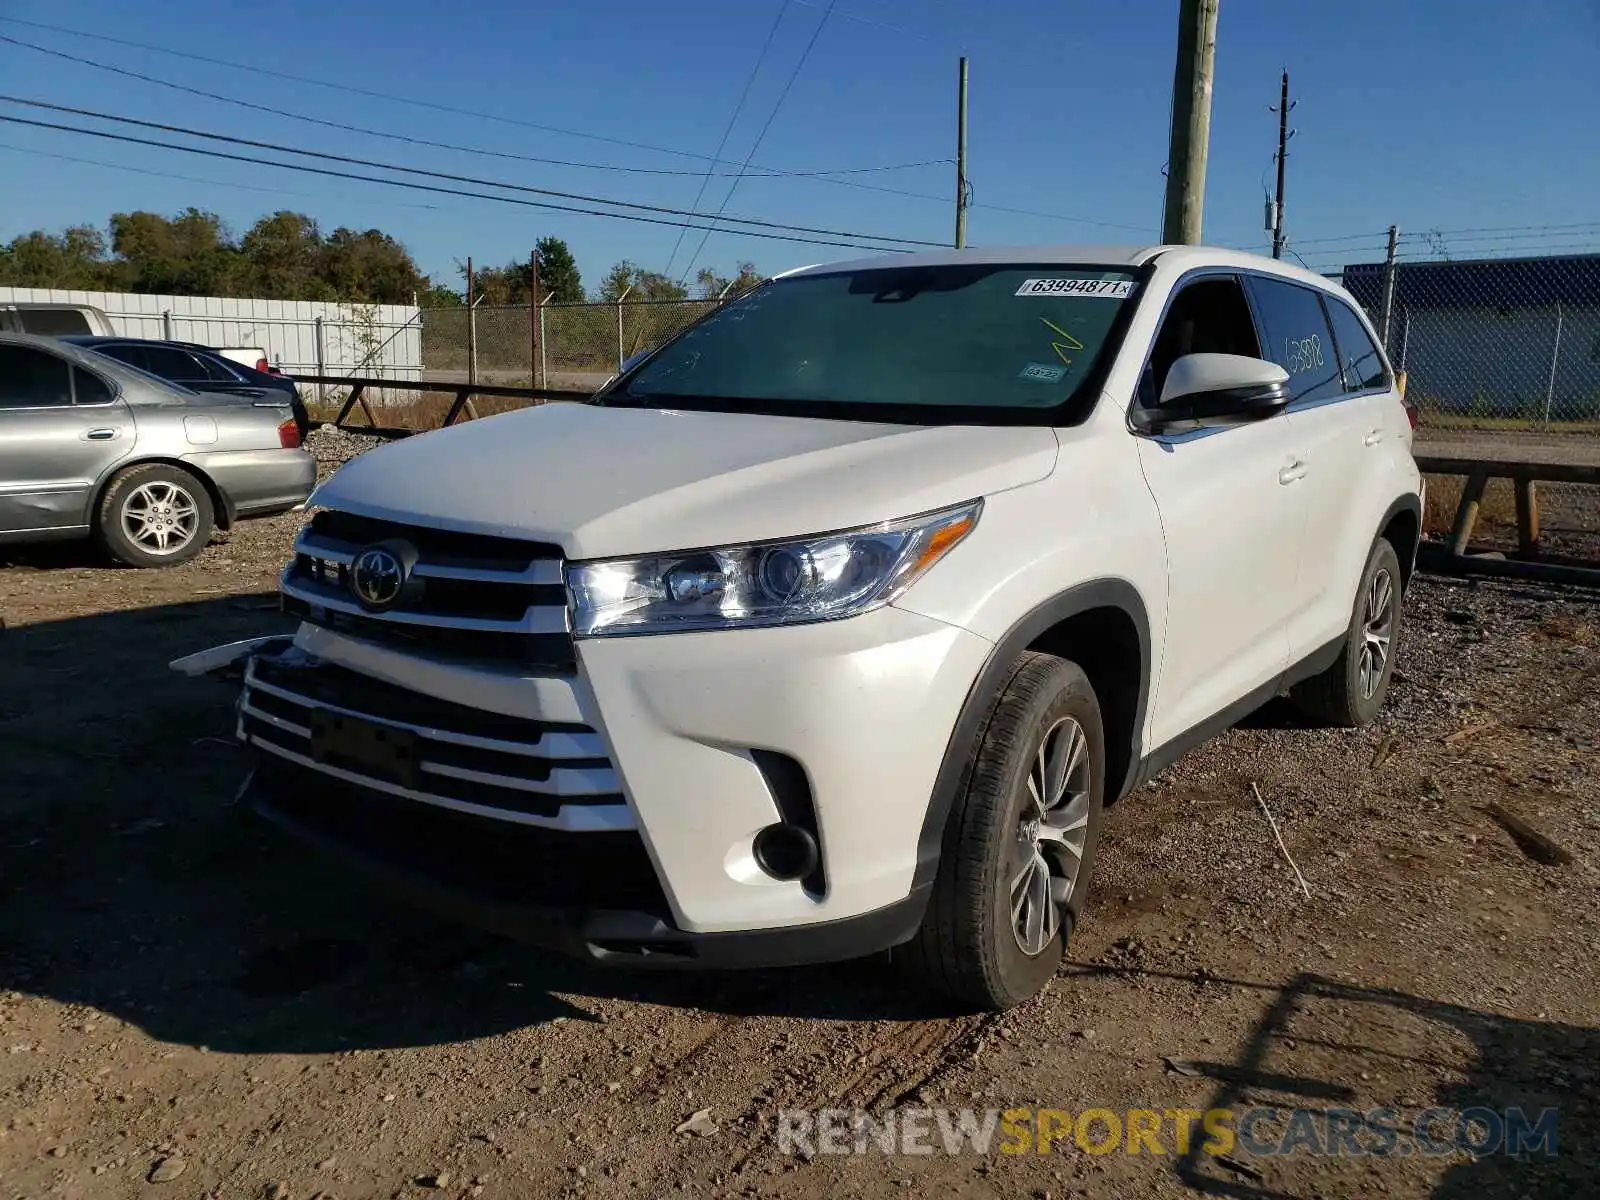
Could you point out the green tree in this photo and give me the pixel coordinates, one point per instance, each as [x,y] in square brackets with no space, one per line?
[283,256]
[190,254]
[438,295]
[496,285]
[74,258]
[712,285]
[282,253]
[558,272]
[558,277]
[368,267]
[646,285]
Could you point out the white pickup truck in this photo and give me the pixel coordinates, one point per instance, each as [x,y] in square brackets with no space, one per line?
[831,626]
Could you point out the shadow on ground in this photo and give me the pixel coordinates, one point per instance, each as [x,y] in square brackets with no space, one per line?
[130,883]
[1316,1036]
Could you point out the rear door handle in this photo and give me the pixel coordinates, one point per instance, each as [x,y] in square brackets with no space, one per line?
[100,435]
[1374,436]
[1295,470]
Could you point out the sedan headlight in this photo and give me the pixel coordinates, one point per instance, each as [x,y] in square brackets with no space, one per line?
[773,583]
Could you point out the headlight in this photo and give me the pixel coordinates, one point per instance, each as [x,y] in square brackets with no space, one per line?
[774,583]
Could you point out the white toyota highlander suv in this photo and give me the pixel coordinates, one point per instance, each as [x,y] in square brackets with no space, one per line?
[830,626]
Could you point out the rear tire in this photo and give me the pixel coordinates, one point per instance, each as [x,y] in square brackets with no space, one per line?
[1019,845]
[1350,693]
[154,515]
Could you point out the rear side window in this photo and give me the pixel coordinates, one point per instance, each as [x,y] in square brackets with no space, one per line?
[177,365]
[31,378]
[134,356]
[216,370]
[89,388]
[1358,356]
[1297,338]
[53,322]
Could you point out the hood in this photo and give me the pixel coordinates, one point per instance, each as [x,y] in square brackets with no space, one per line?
[602,482]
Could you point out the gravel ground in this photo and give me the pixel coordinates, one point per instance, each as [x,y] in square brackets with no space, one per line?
[189,1007]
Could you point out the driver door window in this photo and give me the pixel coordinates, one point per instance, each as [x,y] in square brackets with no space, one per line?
[1208,316]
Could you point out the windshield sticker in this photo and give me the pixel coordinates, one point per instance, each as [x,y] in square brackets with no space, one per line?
[1096,289]
[1067,342]
[1043,372]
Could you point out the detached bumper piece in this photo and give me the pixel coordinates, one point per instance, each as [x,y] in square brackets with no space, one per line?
[593,895]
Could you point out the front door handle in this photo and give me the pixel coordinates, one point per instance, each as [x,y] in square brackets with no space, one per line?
[100,435]
[1295,470]
[1374,436]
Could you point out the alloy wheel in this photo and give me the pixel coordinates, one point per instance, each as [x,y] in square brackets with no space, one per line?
[160,518]
[1051,835]
[1377,633]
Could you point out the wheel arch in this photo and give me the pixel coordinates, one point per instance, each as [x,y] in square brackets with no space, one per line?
[221,508]
[1103,626]
[1401,527]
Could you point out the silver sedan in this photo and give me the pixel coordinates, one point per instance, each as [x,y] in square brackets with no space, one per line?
[91,447]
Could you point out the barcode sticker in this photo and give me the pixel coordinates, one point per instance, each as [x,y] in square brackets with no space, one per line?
[1099,289]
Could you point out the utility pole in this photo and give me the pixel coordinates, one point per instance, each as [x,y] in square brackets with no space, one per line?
[534,318]
[1191,121]
[472,327]
[1386,315]
[1283,152]
[961,159]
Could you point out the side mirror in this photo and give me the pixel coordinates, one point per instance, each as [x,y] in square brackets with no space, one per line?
[1212,389]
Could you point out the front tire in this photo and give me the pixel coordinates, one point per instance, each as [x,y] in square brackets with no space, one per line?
[154,515]
[1350,693]
[1020,842]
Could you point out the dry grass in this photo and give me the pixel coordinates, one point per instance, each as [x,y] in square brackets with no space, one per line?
[1499,505]
[422,412]
[1434,419]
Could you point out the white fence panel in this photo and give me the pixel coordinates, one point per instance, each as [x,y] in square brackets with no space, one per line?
[354,339]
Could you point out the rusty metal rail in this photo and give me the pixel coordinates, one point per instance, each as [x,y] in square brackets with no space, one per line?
[1525,474]
[463,393]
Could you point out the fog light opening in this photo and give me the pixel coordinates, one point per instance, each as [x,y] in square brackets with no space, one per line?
[785,852]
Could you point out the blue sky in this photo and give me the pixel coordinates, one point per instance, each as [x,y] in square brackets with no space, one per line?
[1455,115]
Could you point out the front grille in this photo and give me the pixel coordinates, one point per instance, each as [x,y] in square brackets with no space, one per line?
[468,596]
[523,865]
[322,716]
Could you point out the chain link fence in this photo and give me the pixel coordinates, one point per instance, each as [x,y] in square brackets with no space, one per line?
[1492,345]
[1502,359]
[562,346]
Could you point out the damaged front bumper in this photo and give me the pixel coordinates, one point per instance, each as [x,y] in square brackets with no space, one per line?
[432,801]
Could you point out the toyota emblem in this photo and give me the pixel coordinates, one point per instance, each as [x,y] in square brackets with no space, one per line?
[378,575]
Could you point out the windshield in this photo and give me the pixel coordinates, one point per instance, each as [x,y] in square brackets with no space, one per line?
[966,342]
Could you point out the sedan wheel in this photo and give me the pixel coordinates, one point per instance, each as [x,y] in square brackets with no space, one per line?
[161,518]
[154,515]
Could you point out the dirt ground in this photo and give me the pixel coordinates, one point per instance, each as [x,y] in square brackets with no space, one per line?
[188,999]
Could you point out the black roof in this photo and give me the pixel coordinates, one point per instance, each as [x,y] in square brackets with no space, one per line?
[1482,283]
[91,340]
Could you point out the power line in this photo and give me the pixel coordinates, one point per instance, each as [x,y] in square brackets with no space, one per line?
[423,187]
[772,116]
[453,178]
[1501,229]
[757,171]
[399,98]
[248,187]
[1376,235]
[738,108]
[1554,232]
[416,141]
